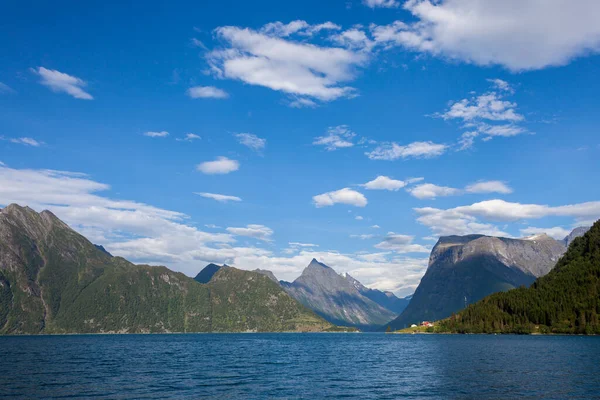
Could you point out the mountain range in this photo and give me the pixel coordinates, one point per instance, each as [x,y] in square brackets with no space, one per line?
[464,269]
[340,299]
[53,280]
[566,300]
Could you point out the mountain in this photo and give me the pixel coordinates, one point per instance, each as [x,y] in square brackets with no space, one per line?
[464,269]
[208,272]
[577,232]
[335,298]
[387,300]
[53,280]
[268,274]
[567,300]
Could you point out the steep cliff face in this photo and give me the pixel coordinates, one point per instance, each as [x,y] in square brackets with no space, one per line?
[53,280]
[464,269]
[335,298]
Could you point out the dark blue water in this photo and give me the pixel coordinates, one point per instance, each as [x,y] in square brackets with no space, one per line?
[289,366]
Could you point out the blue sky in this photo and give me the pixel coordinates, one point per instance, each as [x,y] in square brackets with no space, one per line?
[254,133]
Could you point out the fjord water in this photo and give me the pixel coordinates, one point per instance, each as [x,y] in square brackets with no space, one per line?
[288,366]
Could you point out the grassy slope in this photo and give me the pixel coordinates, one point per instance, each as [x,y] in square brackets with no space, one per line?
[53,280]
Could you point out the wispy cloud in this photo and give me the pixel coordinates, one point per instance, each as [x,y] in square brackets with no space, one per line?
[60,82]
[393,151]
[222,198]
[381,3]
[278,57]
[431,191]
[5,89]
[156,134]
[27,141]
[255,231]
[251,141]
[206,92]
[337,137]
[189,137]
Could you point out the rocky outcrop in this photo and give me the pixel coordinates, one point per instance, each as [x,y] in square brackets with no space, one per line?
[464,269]
[336,298]
[387,300]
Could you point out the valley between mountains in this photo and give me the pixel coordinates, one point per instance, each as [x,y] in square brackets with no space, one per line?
[53,280]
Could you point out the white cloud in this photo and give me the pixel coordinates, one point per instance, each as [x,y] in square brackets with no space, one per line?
[401,244]
[516,34]
[156,134]
[299,244]
[363,236]
[206,92]
[354,38]
[394,151]
[189,137]
[222,198]
[384,183]
[5,89]
[489,187]
[337,137]
[488,106]
[431,191]
[302,102]
[251,141]
[557,232]
[222,165]
[466,219]
[198,43]
[146,234]
[342,196]
[299,27]
[501,85]
[359,218]
[271,58]
[26,141]
[488,115]
[375,226]
[381,3]
[60,82]
[255,231]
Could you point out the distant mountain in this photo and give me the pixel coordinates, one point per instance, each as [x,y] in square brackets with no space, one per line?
[207,273]
[336,298]
[567,300]
[102,249]
[387,300]
[268,274]
[464,269]
[577,232]
[53,280]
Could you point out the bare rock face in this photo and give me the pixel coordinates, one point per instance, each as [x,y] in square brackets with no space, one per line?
[577,232]
[387,300]
[464,269]
[336,298]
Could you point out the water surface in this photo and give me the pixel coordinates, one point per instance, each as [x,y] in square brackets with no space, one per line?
[290,366]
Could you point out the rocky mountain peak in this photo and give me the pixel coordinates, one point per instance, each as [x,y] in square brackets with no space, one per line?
[577,232]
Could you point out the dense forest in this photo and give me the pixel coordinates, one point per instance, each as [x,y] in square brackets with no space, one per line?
[567,300]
